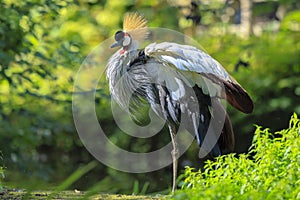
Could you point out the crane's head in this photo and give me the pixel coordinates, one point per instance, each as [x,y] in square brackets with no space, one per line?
[134,29]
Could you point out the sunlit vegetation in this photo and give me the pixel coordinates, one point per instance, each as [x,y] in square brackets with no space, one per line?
[269,171]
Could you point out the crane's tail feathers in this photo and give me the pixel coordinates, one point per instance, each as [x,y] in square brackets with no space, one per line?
[226,140]
[227,136]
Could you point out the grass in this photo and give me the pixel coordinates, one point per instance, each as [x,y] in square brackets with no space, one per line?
[22,194]
[271,170]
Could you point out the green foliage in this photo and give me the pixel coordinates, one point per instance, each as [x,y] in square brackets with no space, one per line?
[33,75]
[269,171]
[76,175]
[291,21]
[1,176]
[136,189]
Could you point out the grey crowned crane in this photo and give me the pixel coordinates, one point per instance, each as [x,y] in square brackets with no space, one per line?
[176,80]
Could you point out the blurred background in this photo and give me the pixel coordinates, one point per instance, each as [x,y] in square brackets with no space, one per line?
[43,43]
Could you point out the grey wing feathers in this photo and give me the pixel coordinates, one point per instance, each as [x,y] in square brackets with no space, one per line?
[199,68]
[186,58]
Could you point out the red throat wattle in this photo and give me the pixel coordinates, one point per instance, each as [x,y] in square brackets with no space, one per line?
[122,51]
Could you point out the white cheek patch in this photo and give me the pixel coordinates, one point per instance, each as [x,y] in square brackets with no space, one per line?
[126,41]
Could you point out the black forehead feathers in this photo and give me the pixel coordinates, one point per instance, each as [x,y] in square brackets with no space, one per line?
[119,35]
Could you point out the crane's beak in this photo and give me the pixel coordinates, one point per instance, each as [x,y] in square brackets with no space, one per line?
[115,44]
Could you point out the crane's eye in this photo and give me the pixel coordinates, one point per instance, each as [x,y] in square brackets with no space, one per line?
[119,35]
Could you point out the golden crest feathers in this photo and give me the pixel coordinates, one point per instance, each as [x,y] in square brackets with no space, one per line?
[135,25]
[133,21]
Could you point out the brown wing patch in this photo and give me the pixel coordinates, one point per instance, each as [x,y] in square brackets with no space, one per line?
[238,97]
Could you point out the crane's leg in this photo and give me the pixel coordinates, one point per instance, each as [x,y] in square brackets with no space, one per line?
[174,154]
[163,100]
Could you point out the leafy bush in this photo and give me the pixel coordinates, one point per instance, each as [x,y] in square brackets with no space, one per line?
[1,177]
[269,171]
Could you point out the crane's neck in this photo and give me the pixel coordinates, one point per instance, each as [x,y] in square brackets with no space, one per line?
[118,76]
[127,55]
